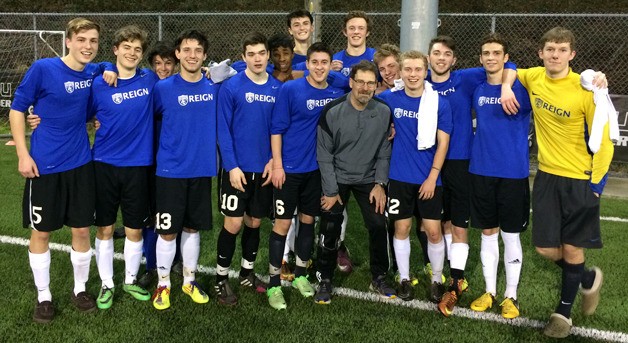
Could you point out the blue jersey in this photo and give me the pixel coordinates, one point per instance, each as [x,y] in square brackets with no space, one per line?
[187,146]
[295,117]
[296,58]
[348,61]
[407,163]
[244,114]
[500,146]
[59,96]
[458,89]
[125,113]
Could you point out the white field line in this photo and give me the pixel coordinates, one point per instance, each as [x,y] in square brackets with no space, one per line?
[612,336]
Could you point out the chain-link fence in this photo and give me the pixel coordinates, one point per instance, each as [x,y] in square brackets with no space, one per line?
[601,42]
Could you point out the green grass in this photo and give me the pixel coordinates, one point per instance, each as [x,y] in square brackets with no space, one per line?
[346,319]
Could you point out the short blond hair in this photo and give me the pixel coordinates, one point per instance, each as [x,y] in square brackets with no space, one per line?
[558,35]
[386,50]
[413,55]
[77,25]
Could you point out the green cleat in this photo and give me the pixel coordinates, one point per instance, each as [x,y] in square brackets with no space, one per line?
[275,298]
[105,298]
[136,291]
[303,285]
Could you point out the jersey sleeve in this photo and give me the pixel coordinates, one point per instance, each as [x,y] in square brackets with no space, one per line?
[280,120]
[28,90]
[523,77]
[382,165]
[445,122]
[471,78]
[225,135]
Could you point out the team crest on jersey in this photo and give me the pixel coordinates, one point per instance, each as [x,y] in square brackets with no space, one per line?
[538,103]
[183,100]
[250,97]
[69,87]
[311,104]
[117,98]
[398,112]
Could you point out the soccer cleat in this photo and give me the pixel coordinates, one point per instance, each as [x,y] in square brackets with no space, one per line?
[406,290]
[323,294]
[463,285]
[510,308]
[303,285]
[275,298]
[591,296]
[161,298]
[84,302]
[286,273]
[195,292]
[427,270]
[483,303]
[224,294]
[413,279]
[343,260]
[105,298]
[252,281]
[148,279]
[558,326]
[447,303]
[436,292]
[136,291]
[44,312]
[381,287]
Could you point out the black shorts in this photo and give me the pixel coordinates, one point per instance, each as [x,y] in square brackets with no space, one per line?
[500,202]
[302,191]
[66,198]
[183,203]
[564,210]
[256,201]
[152,188]
[404,202]
[124,187]
[456,192]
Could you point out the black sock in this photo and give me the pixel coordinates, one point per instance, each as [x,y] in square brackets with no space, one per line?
[423,240]
[276,243]
[588,278]
[225,249]
[572,274]
[560,263]
[250,245]
[303,247]
[456,274]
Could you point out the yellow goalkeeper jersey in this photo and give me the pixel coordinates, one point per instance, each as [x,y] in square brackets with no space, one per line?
[563,115]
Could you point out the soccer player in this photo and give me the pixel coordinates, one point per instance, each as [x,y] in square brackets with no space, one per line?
[419,113]
[570,180]
[356,29]
[300,27]
[386,58]
[244,117]
[281,50]
[458,87]
[59,173]
[163,62]
[499,167]
[296,177]
[186,161]
[353,155]
[122,154]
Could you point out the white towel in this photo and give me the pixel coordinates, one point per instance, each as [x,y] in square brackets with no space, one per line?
[604,112]
[427,118]
[221,71]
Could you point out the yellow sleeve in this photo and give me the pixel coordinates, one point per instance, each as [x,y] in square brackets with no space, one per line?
[602,158]
[522,75]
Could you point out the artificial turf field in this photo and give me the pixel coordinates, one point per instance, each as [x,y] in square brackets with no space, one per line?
[355,315]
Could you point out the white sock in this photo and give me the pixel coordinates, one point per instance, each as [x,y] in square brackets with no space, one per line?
[289,237]
[165,252]
[436,253]
[104,261]
[489,255]
[80,264]
[447,238]
[40,265]
[459,255]
[513,259]
[343,226]
[132,259]
[402,254]
[190,250]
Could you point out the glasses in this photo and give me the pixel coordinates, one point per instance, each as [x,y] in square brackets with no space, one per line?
[361,83]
